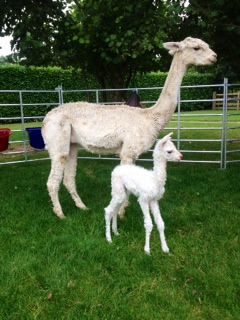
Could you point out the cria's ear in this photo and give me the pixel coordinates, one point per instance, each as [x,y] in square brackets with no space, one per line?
[173,47]
[166,138]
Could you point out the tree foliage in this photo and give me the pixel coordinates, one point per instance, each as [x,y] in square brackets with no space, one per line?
[32,25]
[115,39]
[218,22]
[111,39]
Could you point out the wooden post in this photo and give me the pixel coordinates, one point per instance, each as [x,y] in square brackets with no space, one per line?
[214,102]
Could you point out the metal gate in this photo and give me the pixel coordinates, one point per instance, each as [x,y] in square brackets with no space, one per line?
[202,136]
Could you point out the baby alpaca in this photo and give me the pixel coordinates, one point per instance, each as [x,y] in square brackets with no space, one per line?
[147,186]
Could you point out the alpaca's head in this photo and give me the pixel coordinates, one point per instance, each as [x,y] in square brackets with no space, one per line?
[166,149]
[192,51]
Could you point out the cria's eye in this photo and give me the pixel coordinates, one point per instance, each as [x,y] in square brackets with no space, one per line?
[196,48]
[170,151]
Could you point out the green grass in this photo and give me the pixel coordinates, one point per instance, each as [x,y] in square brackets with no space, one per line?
[52,269]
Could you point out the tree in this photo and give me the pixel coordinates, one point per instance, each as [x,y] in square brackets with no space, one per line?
[32,24]
[218,22]
[110,39]
[115,39]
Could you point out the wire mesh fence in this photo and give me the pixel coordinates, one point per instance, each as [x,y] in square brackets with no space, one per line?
[205,135]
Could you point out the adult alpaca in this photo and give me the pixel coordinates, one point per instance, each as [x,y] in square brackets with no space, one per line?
[114,129]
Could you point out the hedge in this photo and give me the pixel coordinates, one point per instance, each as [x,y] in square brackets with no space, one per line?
[15,77]
[154,79]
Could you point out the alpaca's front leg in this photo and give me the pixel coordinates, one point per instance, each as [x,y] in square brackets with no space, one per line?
[148,225]
[160,224]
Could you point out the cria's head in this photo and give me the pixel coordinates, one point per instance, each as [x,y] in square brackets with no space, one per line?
[192,51]
[166,149]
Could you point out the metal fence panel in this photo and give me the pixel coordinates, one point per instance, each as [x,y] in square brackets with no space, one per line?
[221,121]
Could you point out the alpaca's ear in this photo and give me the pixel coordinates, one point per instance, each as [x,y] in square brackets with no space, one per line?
[166,138]
[173,47]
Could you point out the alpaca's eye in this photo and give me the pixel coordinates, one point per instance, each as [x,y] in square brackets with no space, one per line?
[169,152]
[196,48]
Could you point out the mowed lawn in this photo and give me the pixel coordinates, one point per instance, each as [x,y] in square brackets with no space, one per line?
[53,269]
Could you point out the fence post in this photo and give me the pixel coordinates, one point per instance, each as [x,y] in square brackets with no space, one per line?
[179,118]
[97,96]
[23,125]
[224,125]
[60,94]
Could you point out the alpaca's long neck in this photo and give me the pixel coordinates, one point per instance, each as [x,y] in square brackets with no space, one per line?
[160,169]
[166,104]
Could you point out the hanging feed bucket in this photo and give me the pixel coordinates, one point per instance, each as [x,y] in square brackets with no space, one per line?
[35,138]
[4,137]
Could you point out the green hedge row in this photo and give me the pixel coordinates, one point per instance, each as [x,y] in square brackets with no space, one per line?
[154,79]
[15,77]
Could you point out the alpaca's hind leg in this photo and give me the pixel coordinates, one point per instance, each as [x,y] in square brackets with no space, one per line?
[53,183]
[70,176]
[114,224]
[119,196]
[111,212]
[160,224]
[148,225]
[123,208]
[125,159]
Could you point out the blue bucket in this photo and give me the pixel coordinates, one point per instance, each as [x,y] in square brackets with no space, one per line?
[35,138]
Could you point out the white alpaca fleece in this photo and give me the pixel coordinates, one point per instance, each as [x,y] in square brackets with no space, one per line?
[147,185]
[114,129]
[138,181]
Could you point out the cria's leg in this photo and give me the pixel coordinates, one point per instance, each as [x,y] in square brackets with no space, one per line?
[147,224]
[53,183]
[160,224]
[122,209]
[70,176]
[125,159]
[119,195]
[114,224]
[111,212]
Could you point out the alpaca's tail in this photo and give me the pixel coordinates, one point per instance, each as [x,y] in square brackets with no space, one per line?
[56,134]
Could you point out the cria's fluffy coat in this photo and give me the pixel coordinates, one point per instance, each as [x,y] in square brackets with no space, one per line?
[114,129]
[147,186]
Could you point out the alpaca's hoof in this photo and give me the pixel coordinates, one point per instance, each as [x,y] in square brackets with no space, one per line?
[165,249]
[108,237]
[147,251]
[60,215]
[82,207]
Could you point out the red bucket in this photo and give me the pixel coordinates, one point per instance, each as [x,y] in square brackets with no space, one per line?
[4,137]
